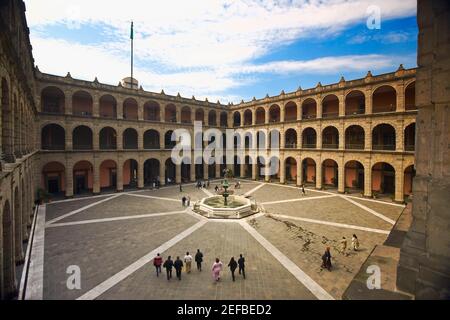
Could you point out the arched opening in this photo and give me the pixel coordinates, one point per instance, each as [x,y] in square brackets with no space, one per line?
[274,113]
[223,119]
[54,178]
[410,96]
[7,131]
[330,173]
[261,140]
[384,99]
[290,137]
[354,138]
[82,138]
[108,106]
[260,116]
[290,111]
[383,137]
[212,121]
[130,174]
[248,167]
[330,106]
[410,173]
[354,176]
[200,115]
[260,171]
[248,117]
[236,166]
[170,113]
[309,109]
[82,177]
[383,179]
[291,170]
[52,100]
[8,283]
[185,170]
[309,138]
[53,137]
[223,166]
[168,143]
[330,138]
[82,104]
[248,140]
[130,109]
[410,137]
[355,103]
[274,169]
[130,139]
[108,139]
[185,114]
[152,111]
[236,119]
[199,169]
[151,172]
[170,172]
[151,139]
[211,170]
[309,171]
[274,139]
[108,175]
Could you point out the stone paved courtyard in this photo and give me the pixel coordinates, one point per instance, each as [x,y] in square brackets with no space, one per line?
[113,238]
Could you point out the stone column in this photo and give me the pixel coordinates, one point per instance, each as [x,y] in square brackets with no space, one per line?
[68,102]
[205,170]
[341,176]
[319,138]
[95,107]
[282,139]
[367,179]
[368,136]
[178,173]
[299,110]
[282,169]
[400,97]
[119,138]
[140,108]
[299,171]
[399,136]
[217,170]
[399,184]
[242,118]
[69,179]
[162,114]
[192,171]
[162,176]
[319,107]
[96,175]
[318,175]
[341,105]
[253,117]
[242,165]
[68,137]
[140,173]
[95,138]
[368,100]
[282,112]
[161,139]
[266,173]
[140,139]
[267,113]
[120,175]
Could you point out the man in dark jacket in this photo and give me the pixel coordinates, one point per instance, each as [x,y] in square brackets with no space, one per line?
[199,259]
[233,265]
[241,263]
[168,264]
[178,265]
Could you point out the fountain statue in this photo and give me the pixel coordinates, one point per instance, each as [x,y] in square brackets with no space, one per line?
[225,194]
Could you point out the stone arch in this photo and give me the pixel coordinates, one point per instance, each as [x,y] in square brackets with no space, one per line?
[290,111]
[53,137]
[290,138]
[383,178]
[82,138]
[151,139]
[410,137]
[330,138]
[248,117]
[82,103]
[309,109]
[260,115]
[152,111]
[130,173]
[170,171]
[383,137]
[18,231]
[185,114]
[108,106]
[236,119]
[274,138]
[54,178]
[355,103]
[130,109]
[354,175]
[108,175]
[8,283]
[52,100]
[330,106]
[185,169]
[354,138]
[168,143]
[107,139]
[200,115]
[212,118]
[309,170]
[83,179]
[152,172]
[223,119]
[330,172]
[274,113]
[261,139]
[130,139]
[409,174]
[384,99]
[170,113]
[309,138]
[290,169]
[7,123]
[410,96]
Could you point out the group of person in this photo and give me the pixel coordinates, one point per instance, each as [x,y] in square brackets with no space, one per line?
[326,257]
[178,265]
[202,184]
[186,201]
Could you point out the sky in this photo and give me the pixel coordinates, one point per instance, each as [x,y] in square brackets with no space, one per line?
[229,50]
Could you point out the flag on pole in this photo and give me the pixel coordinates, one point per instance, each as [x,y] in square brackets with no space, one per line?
[132,32]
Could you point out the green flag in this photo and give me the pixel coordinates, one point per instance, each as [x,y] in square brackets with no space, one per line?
[132,32]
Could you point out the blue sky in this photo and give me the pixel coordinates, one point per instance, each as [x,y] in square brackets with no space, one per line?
[227,50]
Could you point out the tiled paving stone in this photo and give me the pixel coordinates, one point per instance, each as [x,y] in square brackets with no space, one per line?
[304,243]
[174,192]
[57,209]
[125,205]
[389,210]
[334,209]
[275,193]
[266,278]
[102,249]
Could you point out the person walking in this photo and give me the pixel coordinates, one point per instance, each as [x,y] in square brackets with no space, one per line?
[199,259]
[168,264]
[326,259]
[183,201]
[343,245]
[188,201]
[181,188]
[355,242]
[241,263]
[303,190]
[216,268]
[188,261]
[178,265]
[216,188]
[232,265]
[157,262]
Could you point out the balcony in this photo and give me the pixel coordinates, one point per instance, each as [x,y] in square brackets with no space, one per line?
[53,147]
[330,114]
[330,146]
[309,145]
[387,147]
[290,145]
[354,146]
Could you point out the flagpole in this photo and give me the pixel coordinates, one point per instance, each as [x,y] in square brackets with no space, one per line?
[132,38]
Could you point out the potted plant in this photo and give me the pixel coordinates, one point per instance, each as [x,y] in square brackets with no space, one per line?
[42,196]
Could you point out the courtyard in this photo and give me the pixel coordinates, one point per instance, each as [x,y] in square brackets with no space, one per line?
[113,238]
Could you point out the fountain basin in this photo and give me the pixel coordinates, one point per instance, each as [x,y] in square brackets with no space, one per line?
[214,207]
